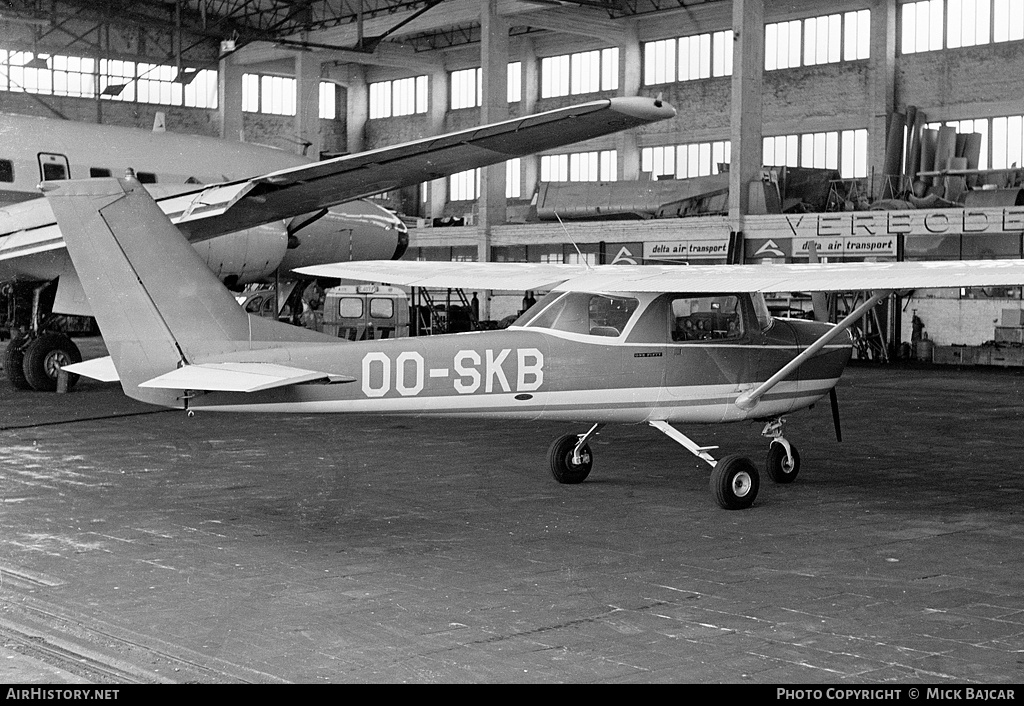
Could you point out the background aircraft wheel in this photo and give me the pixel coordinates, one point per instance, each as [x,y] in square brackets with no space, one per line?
[44,358]
[778,466]
[14,358]
[560,456]
[734,482]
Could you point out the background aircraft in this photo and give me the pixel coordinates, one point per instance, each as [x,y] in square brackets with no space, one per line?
[246,228]
[615,344]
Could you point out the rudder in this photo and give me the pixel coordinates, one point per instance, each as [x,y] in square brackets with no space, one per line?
[156,302]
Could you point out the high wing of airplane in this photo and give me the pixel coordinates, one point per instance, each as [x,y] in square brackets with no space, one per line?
[258,225]
[648,345]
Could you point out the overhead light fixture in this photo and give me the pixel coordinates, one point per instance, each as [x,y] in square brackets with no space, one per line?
[36,62]
[227,45]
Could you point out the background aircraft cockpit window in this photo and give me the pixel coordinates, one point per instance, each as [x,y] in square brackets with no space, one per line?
[591,314]
[146,177]
[706,318]
[97,172]
[7,171]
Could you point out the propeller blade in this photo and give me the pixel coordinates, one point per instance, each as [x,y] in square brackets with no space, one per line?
[834,399]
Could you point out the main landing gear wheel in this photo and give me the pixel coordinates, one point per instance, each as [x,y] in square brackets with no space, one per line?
[734,482]
[562,466]
[14,365]
[45,356]
[780,468]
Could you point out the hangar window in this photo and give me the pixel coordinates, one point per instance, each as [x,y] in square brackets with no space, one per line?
[465,186]
[271,95]
[846,151]
[580,166]
[466,86]
[406,96]
[688,58]
[585,72]
[967,23]
[6,170]
[825,39]
[685,161]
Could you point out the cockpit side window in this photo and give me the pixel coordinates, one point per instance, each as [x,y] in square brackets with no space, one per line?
[706,317]
[586,313]
[538,307]
[764,316]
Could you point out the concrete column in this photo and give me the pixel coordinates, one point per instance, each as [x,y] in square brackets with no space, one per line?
[530,83]
[746,118]
[494,107]
[229,113]
[882,77]
[438,110]
[357,108]
[307,107]
[630,69]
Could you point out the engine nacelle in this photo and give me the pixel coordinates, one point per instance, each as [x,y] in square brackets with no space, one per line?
[247,256]
[357,230]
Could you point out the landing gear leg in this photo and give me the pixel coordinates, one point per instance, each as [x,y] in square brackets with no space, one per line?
[783,462]
[734,478]
[570,457]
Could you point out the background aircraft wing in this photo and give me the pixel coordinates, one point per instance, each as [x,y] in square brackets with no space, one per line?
[223,208]
[825,277]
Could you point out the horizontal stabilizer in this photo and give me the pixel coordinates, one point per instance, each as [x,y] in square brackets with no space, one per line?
[101,369]
[238,377]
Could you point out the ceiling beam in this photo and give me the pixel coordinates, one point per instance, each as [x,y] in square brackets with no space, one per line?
[386,54]
[581,21]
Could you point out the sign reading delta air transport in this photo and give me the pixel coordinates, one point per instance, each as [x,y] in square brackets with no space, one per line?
[686,250]
[867,233]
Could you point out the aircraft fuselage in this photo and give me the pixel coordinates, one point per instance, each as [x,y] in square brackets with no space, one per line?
[532,373]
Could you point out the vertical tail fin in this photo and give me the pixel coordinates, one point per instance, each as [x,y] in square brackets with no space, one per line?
[157,303]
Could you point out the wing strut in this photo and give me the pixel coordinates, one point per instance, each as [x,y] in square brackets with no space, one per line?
[748,399]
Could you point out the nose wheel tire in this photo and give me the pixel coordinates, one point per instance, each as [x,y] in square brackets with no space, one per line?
[734,482]
[780,468]
[562,466]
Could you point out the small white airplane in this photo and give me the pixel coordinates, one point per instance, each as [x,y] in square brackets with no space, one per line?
[654,345]
[294,213]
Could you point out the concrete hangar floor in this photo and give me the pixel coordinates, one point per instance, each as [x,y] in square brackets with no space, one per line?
[139,545]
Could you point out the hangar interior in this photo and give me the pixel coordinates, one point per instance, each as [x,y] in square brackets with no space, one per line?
[871,128]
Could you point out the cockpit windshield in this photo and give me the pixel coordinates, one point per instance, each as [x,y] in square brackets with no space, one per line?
[581,312]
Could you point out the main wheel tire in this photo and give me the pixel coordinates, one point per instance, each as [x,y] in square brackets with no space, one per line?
[44,358]
[734,482]
[778,465]
[560,457]
[14,358]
